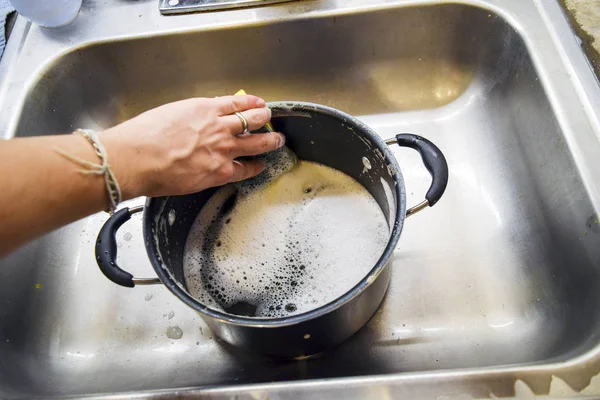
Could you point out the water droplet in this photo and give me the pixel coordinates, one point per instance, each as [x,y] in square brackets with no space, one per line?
[174,332]
[171,314]
[148,296]
[366,164]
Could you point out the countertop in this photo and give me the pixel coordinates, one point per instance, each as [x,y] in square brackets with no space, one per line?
[585,18]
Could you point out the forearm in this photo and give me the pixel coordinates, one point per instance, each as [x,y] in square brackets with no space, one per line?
[42,190]
[179,148]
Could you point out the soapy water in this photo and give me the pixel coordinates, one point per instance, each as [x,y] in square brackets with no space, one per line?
[297,237]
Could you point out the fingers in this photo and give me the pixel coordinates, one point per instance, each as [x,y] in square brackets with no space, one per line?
[227,105]
[256,118]
[257,143]
[246,169]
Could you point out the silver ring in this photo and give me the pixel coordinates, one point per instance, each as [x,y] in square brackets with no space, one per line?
[244,123]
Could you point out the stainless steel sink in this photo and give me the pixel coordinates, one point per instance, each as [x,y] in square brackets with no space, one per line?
[496,287]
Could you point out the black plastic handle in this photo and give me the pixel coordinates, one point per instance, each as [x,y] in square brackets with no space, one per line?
[434,161]
[106,248]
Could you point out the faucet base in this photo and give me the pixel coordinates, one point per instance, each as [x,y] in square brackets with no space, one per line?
[168,7]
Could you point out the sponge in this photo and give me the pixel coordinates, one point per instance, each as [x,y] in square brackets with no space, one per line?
[276,162]
[268,126]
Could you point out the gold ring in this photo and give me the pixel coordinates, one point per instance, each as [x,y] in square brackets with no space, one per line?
[244,123]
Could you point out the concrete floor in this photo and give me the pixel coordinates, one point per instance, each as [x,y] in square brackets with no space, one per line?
[585,18]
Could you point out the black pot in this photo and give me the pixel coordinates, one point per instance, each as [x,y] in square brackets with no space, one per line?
[315,133]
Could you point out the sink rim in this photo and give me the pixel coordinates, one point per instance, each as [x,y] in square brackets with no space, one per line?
[548,16]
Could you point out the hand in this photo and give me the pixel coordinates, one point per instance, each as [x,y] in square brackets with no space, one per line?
[188,146]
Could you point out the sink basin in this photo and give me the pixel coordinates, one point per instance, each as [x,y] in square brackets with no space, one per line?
[499,281]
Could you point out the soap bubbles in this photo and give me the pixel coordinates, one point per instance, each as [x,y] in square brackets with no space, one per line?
[283,244]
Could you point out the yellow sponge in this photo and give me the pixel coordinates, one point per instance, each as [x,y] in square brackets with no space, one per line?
[277,162]
[242,92]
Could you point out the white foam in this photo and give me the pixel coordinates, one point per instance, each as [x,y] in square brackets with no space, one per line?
[301,241]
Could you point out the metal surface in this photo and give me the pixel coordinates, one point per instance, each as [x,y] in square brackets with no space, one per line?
[503,290]
[146,281]
[186,6]
[419,207]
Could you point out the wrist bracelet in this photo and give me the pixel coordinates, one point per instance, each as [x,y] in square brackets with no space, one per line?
[112,186]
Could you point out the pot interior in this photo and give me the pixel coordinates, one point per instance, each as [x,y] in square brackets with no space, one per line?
[314,133]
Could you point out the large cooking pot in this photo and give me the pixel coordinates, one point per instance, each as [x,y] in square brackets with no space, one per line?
[316,133]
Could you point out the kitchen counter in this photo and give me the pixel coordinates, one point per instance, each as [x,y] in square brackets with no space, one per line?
[585,18]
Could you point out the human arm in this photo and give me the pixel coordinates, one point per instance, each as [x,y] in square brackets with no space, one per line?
[178,148]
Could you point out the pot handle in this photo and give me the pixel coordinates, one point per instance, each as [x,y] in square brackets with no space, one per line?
[106,250]
[434,161]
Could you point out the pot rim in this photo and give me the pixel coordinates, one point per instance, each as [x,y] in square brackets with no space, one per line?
[296,107]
